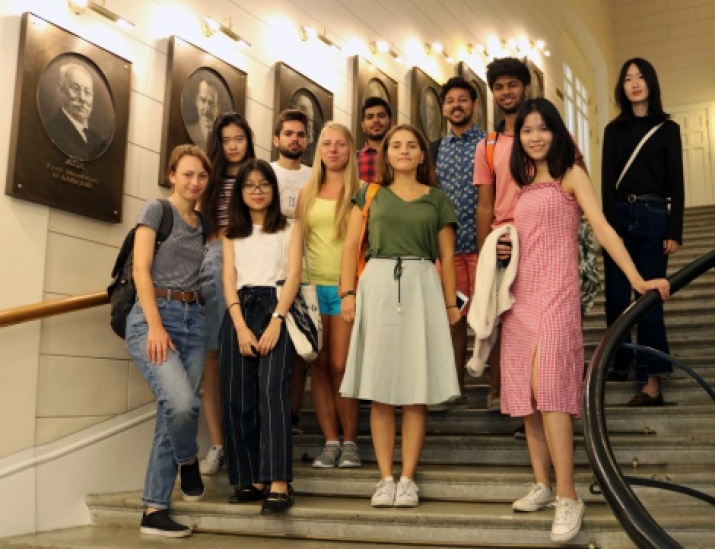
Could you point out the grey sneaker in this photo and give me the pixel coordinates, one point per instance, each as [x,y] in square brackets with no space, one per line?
[407,494]
[213,461]
[328,458]
[539,496]
[349,456]
[384,496]
[567,519]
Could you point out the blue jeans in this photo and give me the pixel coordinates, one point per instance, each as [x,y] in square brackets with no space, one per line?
[645,226]
[211,281]
[175,384]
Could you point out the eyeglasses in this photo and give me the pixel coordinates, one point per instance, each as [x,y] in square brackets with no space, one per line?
[260,188]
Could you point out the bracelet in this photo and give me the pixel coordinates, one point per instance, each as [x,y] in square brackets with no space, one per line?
[232,304]
[452,307]
[346,293]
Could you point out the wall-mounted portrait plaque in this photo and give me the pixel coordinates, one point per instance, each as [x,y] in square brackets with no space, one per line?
[426,111]
[69,124]
[369,81]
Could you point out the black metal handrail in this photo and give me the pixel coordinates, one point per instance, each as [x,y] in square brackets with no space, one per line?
[640,526]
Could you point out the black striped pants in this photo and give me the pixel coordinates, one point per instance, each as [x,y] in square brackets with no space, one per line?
[254,397]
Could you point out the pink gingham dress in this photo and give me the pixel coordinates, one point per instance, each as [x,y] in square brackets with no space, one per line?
[546,317]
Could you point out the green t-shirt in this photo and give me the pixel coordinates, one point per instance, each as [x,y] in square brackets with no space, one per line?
[399,228]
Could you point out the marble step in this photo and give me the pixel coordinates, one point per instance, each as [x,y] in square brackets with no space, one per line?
[477,449]
[497,484]
[445,524]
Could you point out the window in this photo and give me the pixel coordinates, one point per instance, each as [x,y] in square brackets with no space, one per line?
[576,106]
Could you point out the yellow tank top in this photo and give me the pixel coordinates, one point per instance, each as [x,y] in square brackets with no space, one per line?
[324,251]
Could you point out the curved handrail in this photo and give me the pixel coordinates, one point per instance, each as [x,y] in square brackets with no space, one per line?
[640,526]
[35,311]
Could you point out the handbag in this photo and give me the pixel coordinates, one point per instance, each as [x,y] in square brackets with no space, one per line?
[303,322]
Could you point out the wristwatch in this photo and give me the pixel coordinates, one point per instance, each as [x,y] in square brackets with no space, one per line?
[276,314]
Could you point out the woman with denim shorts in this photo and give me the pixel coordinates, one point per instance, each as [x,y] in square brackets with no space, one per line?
[324,206]
[229,144]
[646,209]
[166,337]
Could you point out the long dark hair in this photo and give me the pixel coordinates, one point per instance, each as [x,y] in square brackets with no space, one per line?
[655,105]
[425,171]
[209,203]
[562,152]
[240,224]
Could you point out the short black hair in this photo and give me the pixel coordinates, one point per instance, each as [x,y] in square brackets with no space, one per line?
[655,105]
[375,101]
[460,83]
[562,152]
[508,66]
[290,115]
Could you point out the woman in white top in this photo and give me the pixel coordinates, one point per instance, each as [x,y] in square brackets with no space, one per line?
[255,350]
[324,206]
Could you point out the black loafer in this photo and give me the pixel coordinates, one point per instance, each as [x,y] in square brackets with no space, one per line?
[247,494]
[644,399]
[278,502]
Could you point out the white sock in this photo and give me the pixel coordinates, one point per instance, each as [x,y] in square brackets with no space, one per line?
[332,443]
[349,442]
[403,478]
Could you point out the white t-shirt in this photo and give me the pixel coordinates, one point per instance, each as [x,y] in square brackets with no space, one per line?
[259,259]
[290,182]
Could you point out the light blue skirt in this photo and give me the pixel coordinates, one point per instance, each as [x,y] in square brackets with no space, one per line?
[401,347]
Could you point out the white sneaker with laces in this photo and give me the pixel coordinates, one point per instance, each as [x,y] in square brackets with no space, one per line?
[567,519]
[213,461]
[539,497]
[407,493]
[384,496]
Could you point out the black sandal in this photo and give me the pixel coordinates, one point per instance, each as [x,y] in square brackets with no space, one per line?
[246,494]
[278,502]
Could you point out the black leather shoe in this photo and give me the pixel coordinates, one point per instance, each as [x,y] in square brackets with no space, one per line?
[246,494]
[644,399]
[277,502]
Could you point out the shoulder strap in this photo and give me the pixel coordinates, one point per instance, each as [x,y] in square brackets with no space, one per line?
[636,151]
[490,144]
[372,189]
[204,226]
[166,225]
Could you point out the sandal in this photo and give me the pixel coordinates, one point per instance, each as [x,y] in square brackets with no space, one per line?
[245,494]
[278,502]
[644,399]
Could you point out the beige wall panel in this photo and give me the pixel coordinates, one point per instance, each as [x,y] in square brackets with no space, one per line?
[145,120]
[74,386]
[77,266]
[49,429]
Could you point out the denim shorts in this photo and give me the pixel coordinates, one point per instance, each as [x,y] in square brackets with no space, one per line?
[328,300]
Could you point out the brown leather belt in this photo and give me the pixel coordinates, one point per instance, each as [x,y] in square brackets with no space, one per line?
[176,295]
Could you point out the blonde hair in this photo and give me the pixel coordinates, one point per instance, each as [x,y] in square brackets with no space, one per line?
[351,183]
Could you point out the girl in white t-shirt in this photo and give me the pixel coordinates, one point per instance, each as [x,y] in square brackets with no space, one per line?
[255,350]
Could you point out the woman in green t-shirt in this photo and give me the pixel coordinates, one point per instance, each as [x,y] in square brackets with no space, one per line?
[400,350]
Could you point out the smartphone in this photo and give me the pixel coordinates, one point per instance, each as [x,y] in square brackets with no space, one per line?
[462,300]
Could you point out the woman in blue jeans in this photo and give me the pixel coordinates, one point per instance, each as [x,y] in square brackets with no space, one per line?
[166,336]
[230,143]
[646,209]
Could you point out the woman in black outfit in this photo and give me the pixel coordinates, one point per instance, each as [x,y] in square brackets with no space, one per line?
[638,208]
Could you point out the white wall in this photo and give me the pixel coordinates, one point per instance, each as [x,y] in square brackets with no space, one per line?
[70,374]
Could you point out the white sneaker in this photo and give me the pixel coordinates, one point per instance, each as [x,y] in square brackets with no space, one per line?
[213,461]
[407,494]
[567,519]
[539,497]
[384,496]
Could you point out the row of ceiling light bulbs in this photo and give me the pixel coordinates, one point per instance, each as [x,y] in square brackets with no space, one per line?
[209,26]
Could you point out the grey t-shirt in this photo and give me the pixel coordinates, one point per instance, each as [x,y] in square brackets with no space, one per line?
[177,263]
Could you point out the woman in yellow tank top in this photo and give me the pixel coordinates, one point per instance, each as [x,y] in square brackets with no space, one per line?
[324,205]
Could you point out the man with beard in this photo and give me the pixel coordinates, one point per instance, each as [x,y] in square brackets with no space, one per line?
[509,79]
[290,137]
[454,166]
[376,121]
[207,109]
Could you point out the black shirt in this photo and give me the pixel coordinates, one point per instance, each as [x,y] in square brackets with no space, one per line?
[657,168]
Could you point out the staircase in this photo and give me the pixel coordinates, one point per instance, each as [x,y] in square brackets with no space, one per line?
[472,467]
